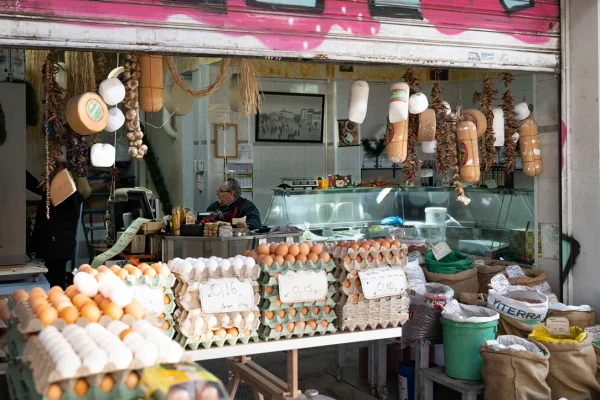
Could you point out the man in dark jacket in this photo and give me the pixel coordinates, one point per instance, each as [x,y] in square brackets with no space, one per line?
[53,240]
[232,205]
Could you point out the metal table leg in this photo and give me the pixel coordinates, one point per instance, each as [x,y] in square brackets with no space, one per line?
[341,360]
[421,361]
[372,365]
[382,369]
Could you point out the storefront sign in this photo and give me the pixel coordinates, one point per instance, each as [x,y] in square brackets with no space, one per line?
[226,295]
[382,282]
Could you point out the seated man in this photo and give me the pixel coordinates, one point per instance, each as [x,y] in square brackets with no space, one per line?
[232,205]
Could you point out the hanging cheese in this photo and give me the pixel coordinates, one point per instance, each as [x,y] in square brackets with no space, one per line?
[233,93]
[178,102]
[399,102]
[86,113]
[358,101]
[498,127]
[529,143]
[448,108]
[476,117]
[522,111]
[112,91]
[417,103]
[429,147]
[468,153]
[396,149]
[103,155]
[61,187]
[116,119]
[427,123]
[151,89]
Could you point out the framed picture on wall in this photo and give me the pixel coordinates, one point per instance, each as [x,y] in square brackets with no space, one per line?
[226,140]
[291,117]
[347,133]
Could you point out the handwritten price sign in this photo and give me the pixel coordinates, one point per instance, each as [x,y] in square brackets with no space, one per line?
[226,295]
[301,286]
[382,282]
[152,299]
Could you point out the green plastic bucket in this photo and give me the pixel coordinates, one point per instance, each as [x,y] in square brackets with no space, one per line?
[461,347]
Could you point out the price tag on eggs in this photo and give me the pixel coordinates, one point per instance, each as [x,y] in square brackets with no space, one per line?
[226,295]
[152,299]
[300,286]
[382,282]
[500,284]
[441,250]
[558,326]
[514,271]
[594,332]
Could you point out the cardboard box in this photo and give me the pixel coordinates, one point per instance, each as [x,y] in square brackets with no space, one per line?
[153,226]
[137,245]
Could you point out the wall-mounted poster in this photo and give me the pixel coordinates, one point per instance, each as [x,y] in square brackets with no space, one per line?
[290,117]
[347,133]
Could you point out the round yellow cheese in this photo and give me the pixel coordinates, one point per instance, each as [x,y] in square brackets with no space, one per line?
[87,113]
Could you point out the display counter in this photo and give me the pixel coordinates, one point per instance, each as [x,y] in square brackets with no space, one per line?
[224,247]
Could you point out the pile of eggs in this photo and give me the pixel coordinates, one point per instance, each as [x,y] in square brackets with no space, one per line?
[147,342]
[279,253]
[290,326]
[370,245]
[195,326]
[129,270]
[191,269]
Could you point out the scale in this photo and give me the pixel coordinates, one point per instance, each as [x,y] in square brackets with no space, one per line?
[299,183]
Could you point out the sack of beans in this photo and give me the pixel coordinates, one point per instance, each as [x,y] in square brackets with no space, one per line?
[461,282]
[473,299]
[597,351]
[533,278]
[580,316]
[515,369]
[486,269]
[520,303]
[573,364]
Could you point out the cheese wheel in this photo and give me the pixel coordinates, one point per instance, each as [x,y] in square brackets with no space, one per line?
[498,127]
[426,126]
[86,113]
[396,149]
[529,142]
[417,103]
[476,117]
[398,111]
[358,101]
[468,154]
[61,187]
[151,89]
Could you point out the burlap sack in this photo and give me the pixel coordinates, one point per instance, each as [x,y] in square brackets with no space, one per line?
[597,351]
[473,299]
[463,282]
[581,319]
[573,368]
[533,278]
[515,375]
[485,273]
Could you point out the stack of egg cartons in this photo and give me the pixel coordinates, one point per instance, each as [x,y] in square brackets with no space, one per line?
[371,284]
[296,290]
[217,301]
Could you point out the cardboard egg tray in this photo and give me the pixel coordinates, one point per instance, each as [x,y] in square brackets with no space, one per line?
[268,333]
[28,322]
[355,287]
[272,304]
[189,297]
[267,281]
[353,314]
[230,272]
[169,332]
[298,266]
[351,260]
[192,316]
[298,316]
[195,342]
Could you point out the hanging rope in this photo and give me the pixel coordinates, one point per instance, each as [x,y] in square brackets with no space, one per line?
[249,88]
[182,84]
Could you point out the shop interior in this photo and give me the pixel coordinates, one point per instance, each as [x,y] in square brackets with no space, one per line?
[287,132]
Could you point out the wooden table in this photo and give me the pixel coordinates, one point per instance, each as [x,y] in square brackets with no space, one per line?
[127,256]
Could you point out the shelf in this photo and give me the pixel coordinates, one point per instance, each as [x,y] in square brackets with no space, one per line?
[293,344]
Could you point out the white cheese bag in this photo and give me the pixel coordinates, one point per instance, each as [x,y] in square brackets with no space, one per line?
[358,101]
[509,304]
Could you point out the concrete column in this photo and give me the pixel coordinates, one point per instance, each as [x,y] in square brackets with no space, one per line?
[581,148]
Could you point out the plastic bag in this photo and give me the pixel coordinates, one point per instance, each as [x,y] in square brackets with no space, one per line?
[453,263]
[413,270]
[541,334]
[435,297]
[510,342]
[472,314]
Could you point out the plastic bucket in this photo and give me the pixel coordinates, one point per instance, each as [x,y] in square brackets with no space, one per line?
[461,347]
[406,379]
[430,232]
[435,215]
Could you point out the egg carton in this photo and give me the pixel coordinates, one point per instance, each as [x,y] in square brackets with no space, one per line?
[239,320]
[157,281]
[28,322]
[340,253]
[275,304]
[349,282]
[272,280]
[363,314]
[351,260]
[190,299]
[243,272]
[298,266]
[283,332]
[195,342]
[299,314]
[170,331]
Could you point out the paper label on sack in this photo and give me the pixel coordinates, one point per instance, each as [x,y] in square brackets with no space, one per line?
[544,288]
[226,295]
[552,299]
[441,250]
[478,263]
[514,271]
[558,326]
[594,332]
[152,299]
[301,286]
[500,283]
[453,307]
[417,285]
[382,282]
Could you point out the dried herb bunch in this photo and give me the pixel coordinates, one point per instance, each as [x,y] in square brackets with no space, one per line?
[412,163]
[77,154]
[486,149]
[452,156]
[54,129]
[441,131]
[100,72]
[510,125]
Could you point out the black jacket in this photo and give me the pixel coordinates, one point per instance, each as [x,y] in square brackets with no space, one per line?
[245,208]
[54,238]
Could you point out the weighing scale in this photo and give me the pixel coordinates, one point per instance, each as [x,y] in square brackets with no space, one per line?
[299,183]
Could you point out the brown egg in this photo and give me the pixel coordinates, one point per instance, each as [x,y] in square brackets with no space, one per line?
[124,333]
[40,306]
[281,313]
[20,295]
[260,257]
[55,289]
[312,324]
[267,260]
[326,309]
[369,258]
[99,276]
[276,276]
[60,306]
[123,274]
[71,291]
[37,291]
[375,246]
[316,248]
[149,272]
[98,298]
[355,246]
[282,250]
[273,248]
[80,300]
[347,283]
[103,304]
[347,260]
[294,249]
[301,258]
[247,253]
[390,256]
[278,302]
[278,328]
[303,248]
[107,384]
[358,258]
[312,257]
[301,324]
[355,296]
[69,314]
[324,299]
[269,314]
[136,272]
[269,289]
[143,266]
[164,271]
[325,257]
[304,311]
[165,326]
[324,324]
[291,259]
[102,268]
[292,312]
[91,312]
[385,244]
[233,332]
[357,283]
[263,249]
[81,387]
[160,316]
[379,240]
[221,333]
[54,392]
[290,327]
[166,299]
[113,311]
[115,268]
[253,255]
[247,332]
[132,380]
[396,244]
[279,260]
[290,304]
[365,246]
[315,310]
[379,257]
[48,316]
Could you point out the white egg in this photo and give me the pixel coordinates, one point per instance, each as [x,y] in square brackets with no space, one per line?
[249,262]
[67,366]
[190,259]
[212,265]
[96,360]
[224,264]
[187,297]
[142,327]
[239,257]
[225,320]
[148,355]
[214,258]
[174,352]
[121,358]
[122,297]
[237,320]
[48,331]
[198,325]
[237,264]
[249,316]
[132,338]
[94,329]
[211,322]
[86,284]
[116,327]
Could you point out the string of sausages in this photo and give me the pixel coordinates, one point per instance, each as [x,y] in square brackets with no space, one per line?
[131,76]
[487,149]
[452,156]
[412,163]
[510,126]
[441,132]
